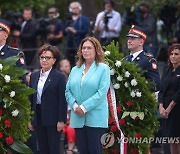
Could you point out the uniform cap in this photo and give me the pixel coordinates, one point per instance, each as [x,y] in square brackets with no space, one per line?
[137,32]
[5,25]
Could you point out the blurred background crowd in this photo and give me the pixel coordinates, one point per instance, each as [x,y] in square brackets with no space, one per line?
[64,24]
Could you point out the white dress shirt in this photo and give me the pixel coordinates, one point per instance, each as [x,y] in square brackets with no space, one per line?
[136,54]
[42,79]
[1,47]
[114,23]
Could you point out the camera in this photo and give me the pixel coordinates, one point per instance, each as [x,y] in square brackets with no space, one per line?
[106,20]
[42,25]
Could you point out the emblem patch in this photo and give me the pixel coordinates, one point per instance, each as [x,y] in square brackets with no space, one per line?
[154,66]
[21,60]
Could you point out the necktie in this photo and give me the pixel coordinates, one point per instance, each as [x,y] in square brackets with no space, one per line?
[130,58]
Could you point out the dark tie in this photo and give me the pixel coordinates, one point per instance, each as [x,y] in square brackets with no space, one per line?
[129,58]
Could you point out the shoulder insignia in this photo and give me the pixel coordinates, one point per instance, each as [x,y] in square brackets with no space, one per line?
[13,48]
[148,54]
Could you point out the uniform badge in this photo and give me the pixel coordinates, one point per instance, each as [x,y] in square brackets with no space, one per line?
[22,60]
[154,66]
[138,58]
[2,53]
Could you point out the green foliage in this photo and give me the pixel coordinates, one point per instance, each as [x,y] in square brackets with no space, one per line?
[15,110]
[136,105]
[19,5]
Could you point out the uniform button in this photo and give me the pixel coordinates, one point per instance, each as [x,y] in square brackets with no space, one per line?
[2,53]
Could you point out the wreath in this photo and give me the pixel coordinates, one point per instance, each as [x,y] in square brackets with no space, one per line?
[136,105]
[15,109]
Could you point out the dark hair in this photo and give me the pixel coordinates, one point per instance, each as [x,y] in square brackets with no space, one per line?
[108,2]
[28,9]
[54,50]
[98,49]
[171,48]
[145,4]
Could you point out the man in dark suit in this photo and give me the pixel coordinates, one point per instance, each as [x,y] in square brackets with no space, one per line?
[5,50]
[136,38]
[28,36]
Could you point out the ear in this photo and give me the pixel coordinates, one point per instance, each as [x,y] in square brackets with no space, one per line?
[141,42]
[5,35]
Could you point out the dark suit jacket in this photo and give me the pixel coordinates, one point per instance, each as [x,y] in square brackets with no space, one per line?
[164,92]
[28,35]
[53,102]
[149,65]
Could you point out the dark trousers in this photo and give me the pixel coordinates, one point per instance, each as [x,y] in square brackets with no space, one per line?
[48,137]
[32,142]
[88,140]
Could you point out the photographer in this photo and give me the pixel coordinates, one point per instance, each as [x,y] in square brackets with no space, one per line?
[54,28]
[76,28]
[108,23]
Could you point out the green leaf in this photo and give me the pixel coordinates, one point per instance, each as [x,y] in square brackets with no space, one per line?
[125,114]
[133,115]
[20,147]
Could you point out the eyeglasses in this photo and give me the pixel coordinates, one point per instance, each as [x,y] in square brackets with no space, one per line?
[47,58]
[2,29]
[51,12]
[87,48]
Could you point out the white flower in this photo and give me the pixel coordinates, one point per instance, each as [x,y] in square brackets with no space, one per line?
[126,84]
[118,63]
[127,74]
[12,94]
[7,78]
[133,82]
[133,94]
[5,106]
[1,67]
[116,86]
[15,113]
[112,71]
[119,78]
[107,53]
[138,94]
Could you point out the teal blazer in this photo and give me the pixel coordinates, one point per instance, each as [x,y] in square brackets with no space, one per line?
[91,93]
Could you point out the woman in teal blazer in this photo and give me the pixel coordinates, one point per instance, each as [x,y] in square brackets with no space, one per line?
[86,93]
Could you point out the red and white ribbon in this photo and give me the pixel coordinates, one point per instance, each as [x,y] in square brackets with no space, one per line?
[112,106]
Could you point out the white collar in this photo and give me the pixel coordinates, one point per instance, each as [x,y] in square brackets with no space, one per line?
[136,54]
[2,47]
[45,74]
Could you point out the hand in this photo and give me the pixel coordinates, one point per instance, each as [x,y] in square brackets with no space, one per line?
[79,111]
[30,126]
[169,108]
[60,126]
[162,111]
[71,29]
[50,36]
